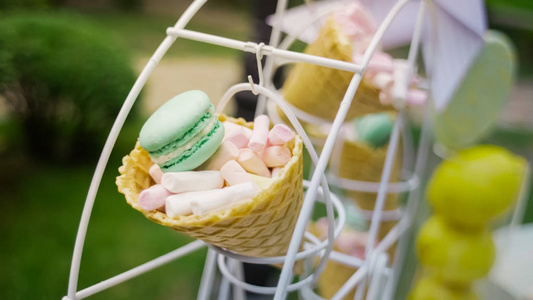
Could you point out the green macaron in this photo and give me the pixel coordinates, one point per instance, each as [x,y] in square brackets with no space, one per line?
[374,129]
[182,133]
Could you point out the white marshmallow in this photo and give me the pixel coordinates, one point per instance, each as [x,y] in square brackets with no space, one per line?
[259,136]
[180,182]
[203,203]
[179,204]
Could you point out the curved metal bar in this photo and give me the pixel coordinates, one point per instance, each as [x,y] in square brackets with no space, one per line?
[326,152]
[111,140]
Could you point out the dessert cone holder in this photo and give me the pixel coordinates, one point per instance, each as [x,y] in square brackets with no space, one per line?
[373,277]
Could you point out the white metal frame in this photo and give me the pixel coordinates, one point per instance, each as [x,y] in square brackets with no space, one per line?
[374,268]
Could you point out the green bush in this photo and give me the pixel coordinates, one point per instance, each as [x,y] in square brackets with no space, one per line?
[64,80]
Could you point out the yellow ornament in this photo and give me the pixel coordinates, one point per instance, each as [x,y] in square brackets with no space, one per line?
[476,185]
[430,288]
[457,257]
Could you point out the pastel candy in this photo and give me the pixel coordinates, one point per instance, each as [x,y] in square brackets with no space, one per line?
[153,197]
[276,156]
[259,136]
[181,182]
[203,203]
[252,162]
[183,133]
[156,173]
[374,129]
[234,174]
[276,171]
[226,152]
[179,204]
[239,136]
[230,127]
[280,134]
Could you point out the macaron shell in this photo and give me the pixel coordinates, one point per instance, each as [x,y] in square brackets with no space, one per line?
[173,119]
[200,153]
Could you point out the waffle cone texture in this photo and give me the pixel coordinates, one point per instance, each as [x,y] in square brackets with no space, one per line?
[359,161]
[319,90]
[261,227]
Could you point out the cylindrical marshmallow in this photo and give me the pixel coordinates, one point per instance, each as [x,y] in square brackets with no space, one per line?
[203,203]
[239,137]
[275,172]
[259,136]
[226,152]
[181,182]
[179,204]
[156,173]
[280,134]
[276,156]
[234,174]
[153,197]
[252,162]
[230,127]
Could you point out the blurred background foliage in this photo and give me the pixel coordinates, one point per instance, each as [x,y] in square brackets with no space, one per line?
[66,66]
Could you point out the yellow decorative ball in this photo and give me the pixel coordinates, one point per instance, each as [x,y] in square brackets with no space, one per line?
[457,257]
[476,185]
[430,288]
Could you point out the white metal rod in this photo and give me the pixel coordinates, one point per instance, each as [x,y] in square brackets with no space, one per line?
[378,274]
[193,246]
[266,50]
[238,292]
[110,142]
[385,178]
[350,284]
[420,163]
[269,61]
[208,275]
[325,155]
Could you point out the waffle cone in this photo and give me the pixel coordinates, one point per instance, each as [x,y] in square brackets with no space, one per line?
[319,90]
[359,161]
[261,227]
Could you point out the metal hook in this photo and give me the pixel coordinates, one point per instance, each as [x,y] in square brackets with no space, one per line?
[258,56]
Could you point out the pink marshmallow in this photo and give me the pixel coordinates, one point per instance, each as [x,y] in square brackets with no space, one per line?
[276,156]
[259,136]
[153,197]
[234,174]
[238,135]
[280,134]
[226,152]
[156,173]
[252,162]
[230,127]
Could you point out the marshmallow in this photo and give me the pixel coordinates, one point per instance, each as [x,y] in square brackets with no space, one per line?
[226,152]
[280,134]
[156,173]
[179,204]
[276,156]
[239,136]
[231,127]
[180,182]
[275,172]
[203,203]
[252,162]
[259,136]
[234,174]
[153,197]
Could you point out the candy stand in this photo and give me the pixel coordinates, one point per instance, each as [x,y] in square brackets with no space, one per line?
[377,271]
